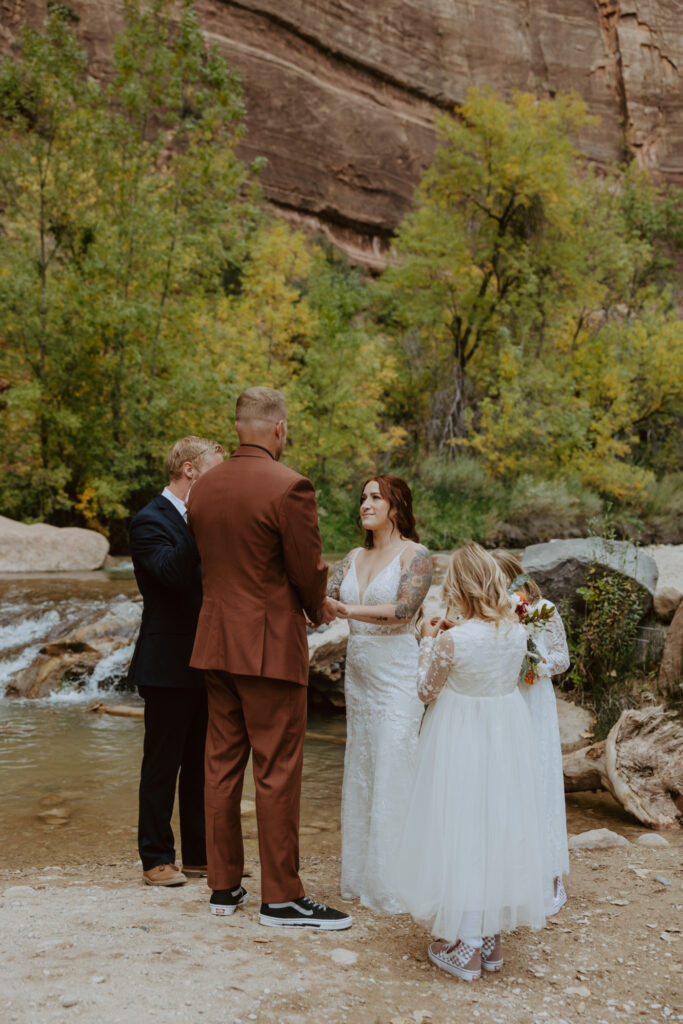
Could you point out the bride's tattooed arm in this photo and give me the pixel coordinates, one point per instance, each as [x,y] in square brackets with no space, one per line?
[335,580]
[415,581]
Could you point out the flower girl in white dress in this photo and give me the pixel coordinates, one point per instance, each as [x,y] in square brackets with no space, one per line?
[470,860]
[551,642]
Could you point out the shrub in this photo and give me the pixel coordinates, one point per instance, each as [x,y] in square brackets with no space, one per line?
[602,644]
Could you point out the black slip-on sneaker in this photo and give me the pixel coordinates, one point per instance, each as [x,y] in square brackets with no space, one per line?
[304,913]
[226,901]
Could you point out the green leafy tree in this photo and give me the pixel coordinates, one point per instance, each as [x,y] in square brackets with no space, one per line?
[125,208]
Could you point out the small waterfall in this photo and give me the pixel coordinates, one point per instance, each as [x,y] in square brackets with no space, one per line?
[35,612]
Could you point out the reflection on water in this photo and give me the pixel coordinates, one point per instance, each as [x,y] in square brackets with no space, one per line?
[70,778]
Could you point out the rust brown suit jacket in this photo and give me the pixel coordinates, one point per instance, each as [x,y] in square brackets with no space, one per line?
[255,523]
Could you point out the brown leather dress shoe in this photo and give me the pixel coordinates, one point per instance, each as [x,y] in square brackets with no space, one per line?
[194,870]
[164,874]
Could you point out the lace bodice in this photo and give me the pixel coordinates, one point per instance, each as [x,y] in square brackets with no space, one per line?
[474,658]
[551,641]
[382,589]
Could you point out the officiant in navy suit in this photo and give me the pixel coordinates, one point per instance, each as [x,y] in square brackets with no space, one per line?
[168,573]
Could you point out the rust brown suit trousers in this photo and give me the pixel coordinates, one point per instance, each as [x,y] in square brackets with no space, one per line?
[255,523]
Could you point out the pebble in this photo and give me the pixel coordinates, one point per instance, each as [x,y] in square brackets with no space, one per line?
[68,1001]
[97,979]
[663,881]
[651,839]
[597,839]
[641,872]
[578,990]
[20,890]
[344,956]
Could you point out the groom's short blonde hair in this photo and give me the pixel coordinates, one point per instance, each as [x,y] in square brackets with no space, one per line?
[191,449]
[260,405]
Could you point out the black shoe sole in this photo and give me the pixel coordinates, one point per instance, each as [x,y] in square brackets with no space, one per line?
[297,922]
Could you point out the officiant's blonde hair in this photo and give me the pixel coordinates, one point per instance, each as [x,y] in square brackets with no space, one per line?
[475,587]
[191,449]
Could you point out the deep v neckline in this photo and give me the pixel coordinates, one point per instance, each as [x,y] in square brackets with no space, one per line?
[375,577]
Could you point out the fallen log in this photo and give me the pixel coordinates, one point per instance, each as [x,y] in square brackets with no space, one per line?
[644,766]
[131,711]
[640,764]
[121,710]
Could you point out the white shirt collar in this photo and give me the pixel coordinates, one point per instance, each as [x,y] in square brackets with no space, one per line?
[177,503]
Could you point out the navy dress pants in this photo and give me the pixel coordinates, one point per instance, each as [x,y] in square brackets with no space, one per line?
[175,736]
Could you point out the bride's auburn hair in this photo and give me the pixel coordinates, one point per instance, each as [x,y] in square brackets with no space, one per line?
[475,586]
[400,497]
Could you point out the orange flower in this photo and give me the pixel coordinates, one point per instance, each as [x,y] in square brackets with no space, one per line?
[529,678]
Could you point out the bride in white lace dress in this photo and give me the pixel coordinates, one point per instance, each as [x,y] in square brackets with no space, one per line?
[380,589]
[551,642]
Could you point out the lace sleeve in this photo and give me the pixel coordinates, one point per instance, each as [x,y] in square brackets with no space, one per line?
[555,643]
[434,664]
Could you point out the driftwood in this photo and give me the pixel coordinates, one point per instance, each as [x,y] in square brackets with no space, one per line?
[130,711]
[640,764]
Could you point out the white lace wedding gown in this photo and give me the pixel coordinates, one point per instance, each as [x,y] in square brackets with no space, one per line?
[470,859]
[551,642]
[383,716]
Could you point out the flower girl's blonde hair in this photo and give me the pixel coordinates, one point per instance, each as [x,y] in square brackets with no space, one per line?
[475,586]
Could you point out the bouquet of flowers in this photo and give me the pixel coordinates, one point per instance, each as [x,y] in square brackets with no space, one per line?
[536,619]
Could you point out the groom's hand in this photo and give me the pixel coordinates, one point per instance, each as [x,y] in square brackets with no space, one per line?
[329,611]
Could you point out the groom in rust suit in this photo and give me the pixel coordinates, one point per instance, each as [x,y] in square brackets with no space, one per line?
[255,523]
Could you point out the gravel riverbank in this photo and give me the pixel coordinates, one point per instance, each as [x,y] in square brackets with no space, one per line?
[90,943]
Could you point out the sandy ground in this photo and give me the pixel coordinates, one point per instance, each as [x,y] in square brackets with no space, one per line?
[90,943]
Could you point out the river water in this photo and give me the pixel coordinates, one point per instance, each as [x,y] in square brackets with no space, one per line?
[69,777]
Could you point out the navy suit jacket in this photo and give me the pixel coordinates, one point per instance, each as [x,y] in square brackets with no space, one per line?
[168,572]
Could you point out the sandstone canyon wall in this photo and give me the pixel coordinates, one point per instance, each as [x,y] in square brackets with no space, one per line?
[341,94]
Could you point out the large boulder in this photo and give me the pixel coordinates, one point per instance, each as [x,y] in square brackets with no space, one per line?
[38,547]
[576,725]
[327,656]
[561,566]
[669,593]
[102,646]
[670,680]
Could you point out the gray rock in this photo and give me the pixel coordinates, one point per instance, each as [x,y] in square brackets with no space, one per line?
[651,839]
[663,881]
[597,839]
[671,668]
[327,658]
[38,547]
[576,724]
[20,891]
[667,600]
[561,566]
[669,559]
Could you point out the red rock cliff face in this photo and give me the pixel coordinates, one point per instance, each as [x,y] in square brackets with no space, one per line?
[341,94]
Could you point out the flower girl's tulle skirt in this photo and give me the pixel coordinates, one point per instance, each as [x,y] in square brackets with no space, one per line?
[471,843]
